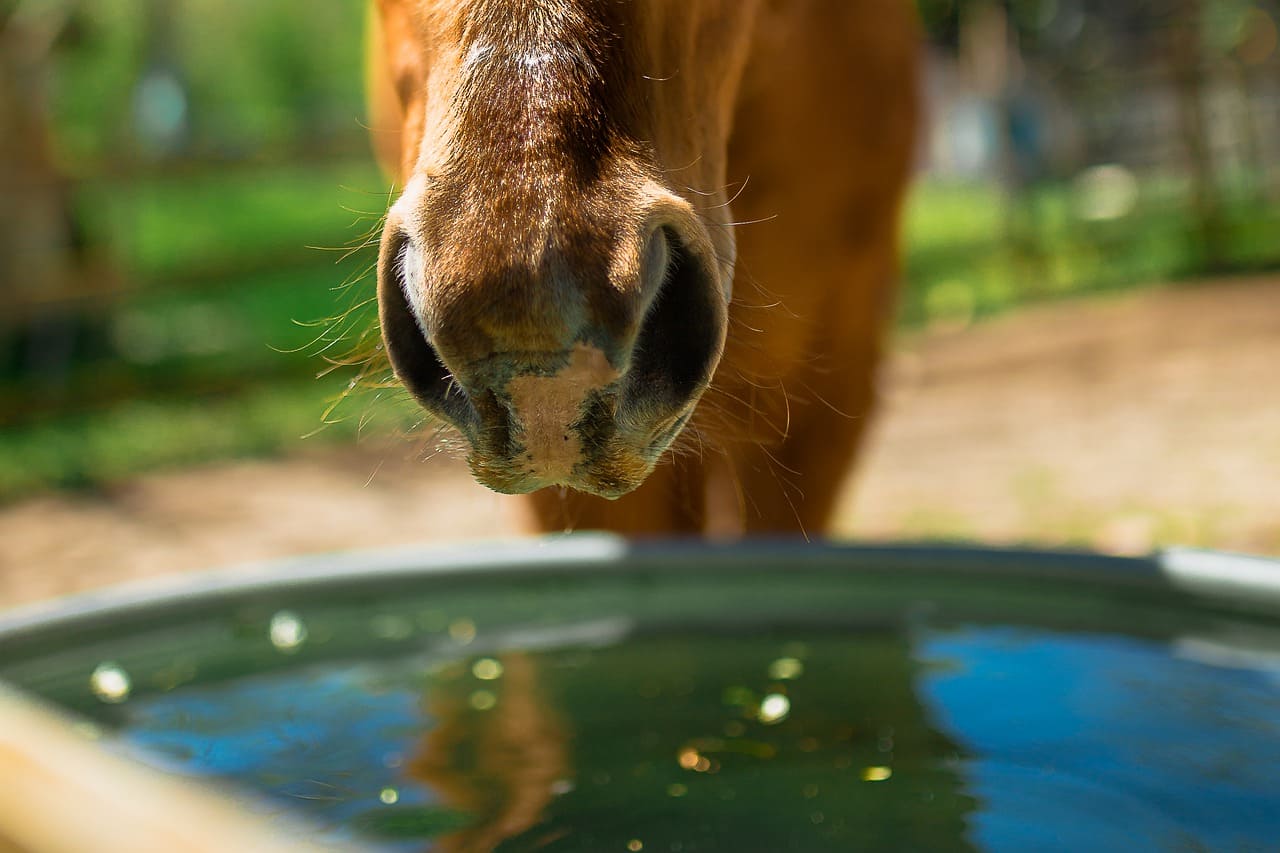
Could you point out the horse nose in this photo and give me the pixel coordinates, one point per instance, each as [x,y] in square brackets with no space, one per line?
[540,365]
[681,331]
[406,341]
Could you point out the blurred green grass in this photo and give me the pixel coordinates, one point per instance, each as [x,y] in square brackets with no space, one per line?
[175,226]
[212,350]
[972,254]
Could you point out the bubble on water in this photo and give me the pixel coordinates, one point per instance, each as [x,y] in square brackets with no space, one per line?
[690,759]
[487,669]
[389,796]
[483,700]
[560,787]
[110,683]
[774,708]
[876,774]
[817,817]
[462,630]
[635,844]
[785,669]
[287,631]
[391,626]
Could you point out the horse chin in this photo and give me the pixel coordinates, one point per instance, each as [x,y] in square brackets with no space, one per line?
[611,474]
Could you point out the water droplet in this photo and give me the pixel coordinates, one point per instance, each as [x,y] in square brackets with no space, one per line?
[635,844]
[774,708]
[483,700]
[487,669]
[391,626]
[677,790]
[110,683]
[462,630]
[389,796]
[784,669]
[876,774]
[287,631]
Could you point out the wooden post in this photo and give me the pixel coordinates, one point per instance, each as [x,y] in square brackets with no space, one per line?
[60,792]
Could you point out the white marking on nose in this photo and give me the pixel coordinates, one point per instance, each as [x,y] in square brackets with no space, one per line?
[477,54]
[531,60]
[548,406]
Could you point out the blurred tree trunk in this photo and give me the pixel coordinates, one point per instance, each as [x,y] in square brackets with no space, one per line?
[32,220]
[1184,57]
[42,262]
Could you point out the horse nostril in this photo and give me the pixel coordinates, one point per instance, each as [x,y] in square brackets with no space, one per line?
[414,360]
[682,333]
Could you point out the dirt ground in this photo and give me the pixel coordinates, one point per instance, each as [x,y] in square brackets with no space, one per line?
[1120,423]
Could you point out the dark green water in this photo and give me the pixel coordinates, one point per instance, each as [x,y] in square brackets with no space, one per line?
[825,715]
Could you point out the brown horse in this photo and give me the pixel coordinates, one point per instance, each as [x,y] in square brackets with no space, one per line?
[646,249]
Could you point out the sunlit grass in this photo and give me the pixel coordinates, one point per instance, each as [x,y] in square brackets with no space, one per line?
[971,252]
[96,448]
[166,229]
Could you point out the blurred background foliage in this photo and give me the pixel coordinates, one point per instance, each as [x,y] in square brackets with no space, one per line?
[187,191]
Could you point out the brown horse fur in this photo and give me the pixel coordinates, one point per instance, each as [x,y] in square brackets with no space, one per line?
[646,249]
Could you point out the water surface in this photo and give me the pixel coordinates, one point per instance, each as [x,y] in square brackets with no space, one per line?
[820,714]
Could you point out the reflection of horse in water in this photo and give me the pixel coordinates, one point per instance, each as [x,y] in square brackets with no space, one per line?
[661,740]
[500,766]
[563,282]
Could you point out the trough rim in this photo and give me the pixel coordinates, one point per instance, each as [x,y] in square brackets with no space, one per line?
[1207,577]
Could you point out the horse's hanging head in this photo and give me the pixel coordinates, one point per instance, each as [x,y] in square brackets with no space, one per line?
[554,278]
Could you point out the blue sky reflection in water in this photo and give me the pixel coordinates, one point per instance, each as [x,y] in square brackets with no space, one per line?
[989,738]
[325,740]
[1088,742]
